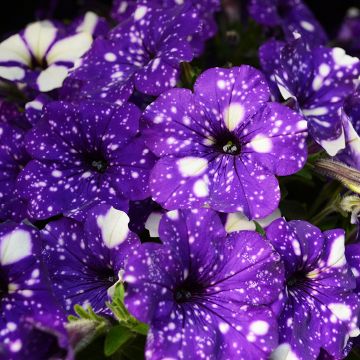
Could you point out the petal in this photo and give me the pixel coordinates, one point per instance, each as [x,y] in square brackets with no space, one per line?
[52,77]
[175,185]
[277,139]
[173,124]
[39,36]
[12,73]
[69,48]
[156,77]
[231,95]
[14,49]
[239,185]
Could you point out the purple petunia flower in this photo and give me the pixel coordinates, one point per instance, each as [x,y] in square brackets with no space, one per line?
[13,158]
[321,309]
[222,145]
[41,55]
[85,153]
[85,260]
[318,80]
[123,9]
[144,52]
[292,16]
[29,313]
[205,294]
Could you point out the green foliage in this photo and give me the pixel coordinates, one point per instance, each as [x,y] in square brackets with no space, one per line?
[117,338]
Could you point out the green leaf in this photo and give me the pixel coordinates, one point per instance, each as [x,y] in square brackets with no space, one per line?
[119,292]
[116,337]
[141,328]
[82,313]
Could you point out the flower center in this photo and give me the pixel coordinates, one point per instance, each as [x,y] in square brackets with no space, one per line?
[182,295]
[38,64]
[187,291]
[296,279]
[4,286]
[228,144]
[99,165]
[96,162]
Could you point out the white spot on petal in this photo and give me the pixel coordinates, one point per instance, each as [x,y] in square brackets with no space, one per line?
[342,59]
[224,327]
[261,144]
[15,246]
[283,352]
[234,115]
[114,227]
[140,12]
[307,26]
[337,252]
[201,188]
[192,166]
[341,311]
[259,327]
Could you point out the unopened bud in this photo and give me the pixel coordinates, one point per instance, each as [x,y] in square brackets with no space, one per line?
[337,170]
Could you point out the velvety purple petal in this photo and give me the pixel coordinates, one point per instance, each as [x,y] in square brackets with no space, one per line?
[277,139]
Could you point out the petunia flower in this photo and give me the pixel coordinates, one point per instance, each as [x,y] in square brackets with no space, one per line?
[321,309]
[123,9]
[83,154]
[41,55]
[13,158]
[85,260]
[144,52]
[30,314]
[222,145]
[204,294]
[318,80]
[292,16]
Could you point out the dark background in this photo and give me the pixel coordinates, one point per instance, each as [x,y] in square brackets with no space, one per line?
[15,14]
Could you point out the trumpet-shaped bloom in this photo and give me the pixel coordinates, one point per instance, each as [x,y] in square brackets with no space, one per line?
[222,145]
[204,293]
[84,260]
[83,154]
[41,55]
[321,308]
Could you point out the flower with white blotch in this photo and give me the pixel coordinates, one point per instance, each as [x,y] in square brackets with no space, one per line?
[84,153]
[30,314]
[317,80]
[321,308]
[41,55]
[85,259]
[222,145]
[143,52]
[206,294]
